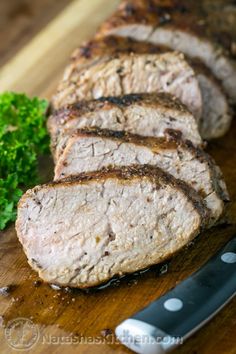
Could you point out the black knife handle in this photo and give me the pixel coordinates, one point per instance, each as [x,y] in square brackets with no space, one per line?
[187,307]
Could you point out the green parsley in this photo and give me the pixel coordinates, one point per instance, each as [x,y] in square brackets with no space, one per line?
[23,136]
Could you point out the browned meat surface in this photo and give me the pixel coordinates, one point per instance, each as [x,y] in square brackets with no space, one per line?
[216,114]
[200,29]
[92,150]
[115,75]
[132,184]
[143,114]
[82,231]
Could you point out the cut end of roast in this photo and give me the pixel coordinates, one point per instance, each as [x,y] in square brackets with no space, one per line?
[131,73]
[192,27]
[83,231]
[92,150]
[216,114]
[142,114]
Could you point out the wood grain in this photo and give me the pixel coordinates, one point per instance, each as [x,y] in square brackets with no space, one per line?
[36,70]
[20,20]
[38,66]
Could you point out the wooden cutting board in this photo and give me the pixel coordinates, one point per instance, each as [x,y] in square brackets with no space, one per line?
[60,321]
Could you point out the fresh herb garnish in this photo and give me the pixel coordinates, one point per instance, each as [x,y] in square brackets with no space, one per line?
[23,136]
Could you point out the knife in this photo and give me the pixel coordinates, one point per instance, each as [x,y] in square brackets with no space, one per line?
[171,319]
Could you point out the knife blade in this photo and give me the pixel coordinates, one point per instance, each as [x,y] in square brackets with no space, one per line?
[175,316]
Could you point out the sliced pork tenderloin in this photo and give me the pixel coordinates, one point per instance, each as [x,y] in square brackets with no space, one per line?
[106,223]
[216,114]
[143,114]
[200,29]
[92,150]
[122,74]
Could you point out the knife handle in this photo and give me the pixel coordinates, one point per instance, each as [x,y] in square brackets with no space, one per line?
[173,317]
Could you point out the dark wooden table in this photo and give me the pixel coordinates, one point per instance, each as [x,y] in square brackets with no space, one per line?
[20,20]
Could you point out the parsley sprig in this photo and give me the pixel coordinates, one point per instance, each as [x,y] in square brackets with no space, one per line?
[23,136]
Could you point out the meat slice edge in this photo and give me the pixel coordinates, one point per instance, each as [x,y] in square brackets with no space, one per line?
[131,73]
[91,150]
[216,114]
[107,223]
[188,27]
[143,114]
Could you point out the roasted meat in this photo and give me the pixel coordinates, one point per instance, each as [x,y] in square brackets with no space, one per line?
[143,114]
[200,29]
[83,231]
[116,75]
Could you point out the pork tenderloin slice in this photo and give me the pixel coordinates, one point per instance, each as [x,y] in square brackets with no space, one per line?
[192,27]
[131,73]
[92,150]
[143,114]
[216,113]
[83,231]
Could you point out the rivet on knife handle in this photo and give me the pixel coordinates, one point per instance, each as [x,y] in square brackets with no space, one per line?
[166,322]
